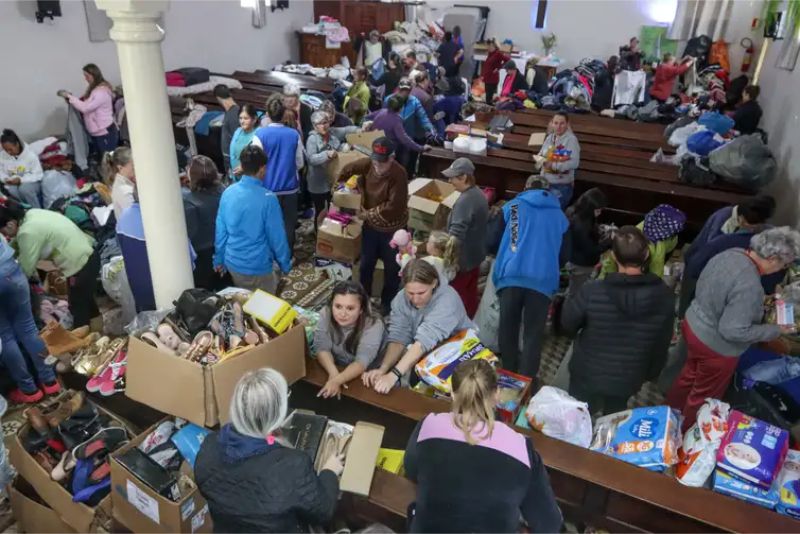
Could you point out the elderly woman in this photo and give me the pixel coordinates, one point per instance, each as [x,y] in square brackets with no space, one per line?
[426,312]
[252,480]
[725,317]
[291,100]
[200,207]
[321,148]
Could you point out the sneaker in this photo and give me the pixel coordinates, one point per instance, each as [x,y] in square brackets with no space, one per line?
[52,388]
[108,439]
[157,437]
[18,396]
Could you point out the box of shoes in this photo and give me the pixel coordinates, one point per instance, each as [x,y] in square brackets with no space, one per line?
[87,480]
[30,511]
[202,393]
[153,489]
[429,203]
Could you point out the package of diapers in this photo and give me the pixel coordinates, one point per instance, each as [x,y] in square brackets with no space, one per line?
[436,368]
[752,450]
[733,487]
[648,437]
[788,485]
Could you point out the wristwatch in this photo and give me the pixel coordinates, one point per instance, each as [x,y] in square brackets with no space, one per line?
[396,372]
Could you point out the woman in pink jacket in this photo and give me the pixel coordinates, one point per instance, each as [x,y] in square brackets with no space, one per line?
[97,107]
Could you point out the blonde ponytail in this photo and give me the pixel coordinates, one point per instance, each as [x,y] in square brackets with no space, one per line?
[448,247]
[474,387]
[112,161]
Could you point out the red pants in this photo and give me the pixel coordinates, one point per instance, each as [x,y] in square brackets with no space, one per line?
[466,285]
[705,374]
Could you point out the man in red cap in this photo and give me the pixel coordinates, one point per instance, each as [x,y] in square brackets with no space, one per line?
[384,195]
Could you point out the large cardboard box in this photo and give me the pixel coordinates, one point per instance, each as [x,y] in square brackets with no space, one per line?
[30,511]
[141,509]
[202,394]
[364,139]
[340,243]
[347,200]
[337,165]
[78,516]
[430,203]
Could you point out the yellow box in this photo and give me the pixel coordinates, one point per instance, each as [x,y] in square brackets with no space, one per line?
[391,460]
[271,311]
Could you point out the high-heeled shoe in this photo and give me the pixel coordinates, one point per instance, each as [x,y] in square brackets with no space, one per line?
[202,342]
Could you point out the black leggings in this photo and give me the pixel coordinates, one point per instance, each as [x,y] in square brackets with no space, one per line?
[82,289]
[321,202]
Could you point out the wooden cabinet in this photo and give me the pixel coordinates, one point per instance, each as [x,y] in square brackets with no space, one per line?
[314,52]
[361,16]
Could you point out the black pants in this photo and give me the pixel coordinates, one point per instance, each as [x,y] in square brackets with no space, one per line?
[289,208]
[491,89]
[82,289]
[598,402]
[321,202]
[374,246]
[520,306]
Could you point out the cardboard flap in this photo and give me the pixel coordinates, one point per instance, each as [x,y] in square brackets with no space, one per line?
[450,200]
[280,353]
[32,516]
[423,204]
[537,139]
[364,139]
[416,184]
[362,456]
[152,377]
[336,166]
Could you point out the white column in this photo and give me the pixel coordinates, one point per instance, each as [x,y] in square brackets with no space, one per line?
[138,39]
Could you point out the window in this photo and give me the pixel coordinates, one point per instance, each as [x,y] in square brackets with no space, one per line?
[539,14]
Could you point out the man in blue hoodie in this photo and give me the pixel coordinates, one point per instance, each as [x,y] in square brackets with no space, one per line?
[284,150]
[250,234]
[526,272]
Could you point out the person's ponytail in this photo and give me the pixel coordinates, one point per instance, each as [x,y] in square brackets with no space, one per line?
[450,255]
[474,387]
[112,161]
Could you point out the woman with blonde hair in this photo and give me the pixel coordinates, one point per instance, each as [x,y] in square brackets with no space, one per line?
[118,172]
[475,474]
[254,481]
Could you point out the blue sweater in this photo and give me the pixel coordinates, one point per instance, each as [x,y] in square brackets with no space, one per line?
[415,120]
[711,229]
[250,232]
[529,251]
[280,144]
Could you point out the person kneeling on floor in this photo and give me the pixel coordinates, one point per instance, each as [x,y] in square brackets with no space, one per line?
[252,480]
[348,334]
[603,371]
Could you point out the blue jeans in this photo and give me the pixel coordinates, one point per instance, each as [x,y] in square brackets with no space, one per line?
[17,328]
[106,143]
[563,192]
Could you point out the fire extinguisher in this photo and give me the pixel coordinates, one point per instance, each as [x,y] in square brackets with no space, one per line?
[749,50]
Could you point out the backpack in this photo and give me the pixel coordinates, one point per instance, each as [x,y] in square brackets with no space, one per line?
[694,172]
[698,47]
[195,308]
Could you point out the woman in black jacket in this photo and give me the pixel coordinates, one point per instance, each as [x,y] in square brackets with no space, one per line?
[251,480]
[200,207]
[583,237]
[475,474]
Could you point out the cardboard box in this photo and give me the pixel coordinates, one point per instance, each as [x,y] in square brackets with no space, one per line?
[202,394]
[30,511]
[346,200]
[340,243]
[78,516]
[336,166]
[364,139]
[429,203]
[141,509]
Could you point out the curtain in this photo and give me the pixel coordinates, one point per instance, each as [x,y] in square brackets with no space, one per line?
[701,17]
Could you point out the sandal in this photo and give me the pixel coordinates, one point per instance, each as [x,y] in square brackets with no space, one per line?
[87,360]
[200,346]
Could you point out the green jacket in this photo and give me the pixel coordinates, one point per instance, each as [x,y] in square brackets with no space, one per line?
[359,90]
[48,235]
[658,256]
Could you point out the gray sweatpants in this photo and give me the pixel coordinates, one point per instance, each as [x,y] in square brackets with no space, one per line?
[27,193]
[264,282]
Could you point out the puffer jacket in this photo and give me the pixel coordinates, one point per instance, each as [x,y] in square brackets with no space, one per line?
[622,327]
[254,486]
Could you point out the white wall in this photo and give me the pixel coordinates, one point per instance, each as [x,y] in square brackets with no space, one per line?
[40,59]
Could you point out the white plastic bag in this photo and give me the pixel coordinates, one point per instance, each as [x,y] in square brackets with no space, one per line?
[682,134]
[554,413]
[487,319]
[697,456]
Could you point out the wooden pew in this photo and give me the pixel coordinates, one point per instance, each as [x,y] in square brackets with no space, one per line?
[590,486]
[276,80]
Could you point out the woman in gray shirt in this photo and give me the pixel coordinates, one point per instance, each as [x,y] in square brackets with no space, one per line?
[348,334]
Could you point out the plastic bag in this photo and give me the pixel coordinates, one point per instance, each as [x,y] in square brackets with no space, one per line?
[57,184]
[436,368]
[774,371]
[703,142]
[697,456]
[745,161]
[487,319]
[146,321]
[554,413]
[716,122]
[648,437]
[681,135]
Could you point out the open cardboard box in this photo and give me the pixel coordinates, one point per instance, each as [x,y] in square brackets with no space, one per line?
[337,165]
[347,200]
[141,509]
[77,515]
[30,511]
[364,139]
[202,394]
[340,243]
[424,212]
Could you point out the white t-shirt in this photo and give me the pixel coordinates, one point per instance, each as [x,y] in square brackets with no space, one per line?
[121,194]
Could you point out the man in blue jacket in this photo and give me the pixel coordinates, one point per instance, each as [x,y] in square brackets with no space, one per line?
[250,234]
[415,121]
[526,272]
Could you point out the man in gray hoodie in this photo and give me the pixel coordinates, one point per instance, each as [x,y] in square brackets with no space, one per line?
[725,317]
[424,313]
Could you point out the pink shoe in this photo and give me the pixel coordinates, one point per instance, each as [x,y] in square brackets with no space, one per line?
[95,383]
[116,381]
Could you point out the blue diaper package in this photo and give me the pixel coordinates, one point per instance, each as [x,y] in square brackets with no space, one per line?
[648,437]
[788,483]
[733,487]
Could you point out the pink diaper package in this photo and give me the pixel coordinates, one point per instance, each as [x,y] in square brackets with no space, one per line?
[752,450]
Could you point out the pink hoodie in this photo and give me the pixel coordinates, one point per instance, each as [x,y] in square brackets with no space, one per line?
[97,110]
